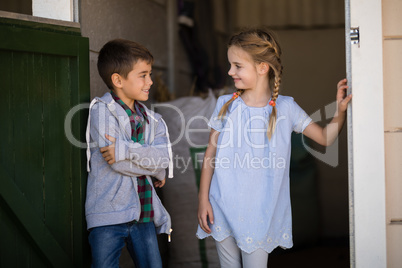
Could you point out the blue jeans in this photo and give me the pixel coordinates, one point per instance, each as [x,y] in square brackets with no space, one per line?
[108,241]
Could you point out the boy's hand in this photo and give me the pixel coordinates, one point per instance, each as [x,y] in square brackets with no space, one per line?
[341,97]
[160,184]
[108,151]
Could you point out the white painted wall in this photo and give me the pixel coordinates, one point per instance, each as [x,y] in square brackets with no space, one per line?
[392,33]
[58,10]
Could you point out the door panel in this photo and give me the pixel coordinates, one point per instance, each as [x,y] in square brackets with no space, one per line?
[44,73]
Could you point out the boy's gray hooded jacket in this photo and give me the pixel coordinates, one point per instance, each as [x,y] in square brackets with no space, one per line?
[112,196]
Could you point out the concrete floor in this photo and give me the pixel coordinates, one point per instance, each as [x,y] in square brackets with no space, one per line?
[314,257]
[328,256]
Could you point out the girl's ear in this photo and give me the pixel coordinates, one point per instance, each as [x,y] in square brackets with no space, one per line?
[116,80]
[263,68]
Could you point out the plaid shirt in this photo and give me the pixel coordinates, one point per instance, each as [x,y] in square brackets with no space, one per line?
[137,121]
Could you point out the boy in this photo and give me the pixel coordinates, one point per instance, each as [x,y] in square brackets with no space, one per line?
[127,143]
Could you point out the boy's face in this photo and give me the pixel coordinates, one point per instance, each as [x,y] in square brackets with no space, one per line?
[138,82]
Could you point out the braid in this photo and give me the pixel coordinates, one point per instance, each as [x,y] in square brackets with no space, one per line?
[272,118]
[277,83]
[271,48]
[225,107]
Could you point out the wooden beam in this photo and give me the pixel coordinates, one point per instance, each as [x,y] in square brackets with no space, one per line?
[32,224]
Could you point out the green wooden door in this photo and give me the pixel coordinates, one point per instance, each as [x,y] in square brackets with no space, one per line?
[44,72]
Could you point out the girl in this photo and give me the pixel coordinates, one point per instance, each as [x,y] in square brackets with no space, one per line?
[244,201]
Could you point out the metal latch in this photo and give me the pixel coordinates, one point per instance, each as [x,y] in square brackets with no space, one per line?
[354,35]
[396,221]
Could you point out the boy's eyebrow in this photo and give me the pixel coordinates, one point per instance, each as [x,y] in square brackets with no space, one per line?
[145,72]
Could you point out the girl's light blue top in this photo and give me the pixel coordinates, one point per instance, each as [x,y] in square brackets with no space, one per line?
[249,190]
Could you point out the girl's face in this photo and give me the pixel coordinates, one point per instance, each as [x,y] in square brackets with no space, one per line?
[242,68]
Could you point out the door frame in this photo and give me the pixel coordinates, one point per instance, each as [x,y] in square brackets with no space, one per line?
[366,135]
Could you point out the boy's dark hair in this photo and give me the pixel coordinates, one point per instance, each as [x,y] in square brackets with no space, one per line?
[119,56]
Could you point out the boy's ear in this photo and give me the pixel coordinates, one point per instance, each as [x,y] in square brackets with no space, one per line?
[116,80]
[263,68]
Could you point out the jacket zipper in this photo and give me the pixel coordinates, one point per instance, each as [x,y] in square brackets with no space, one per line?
[120,125]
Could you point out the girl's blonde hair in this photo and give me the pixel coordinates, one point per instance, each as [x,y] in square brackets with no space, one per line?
[262,46]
